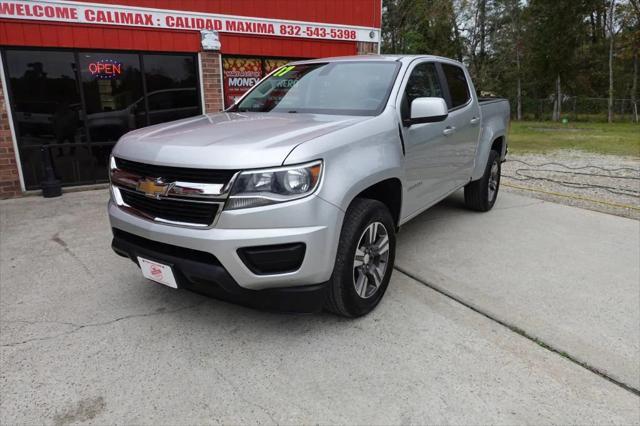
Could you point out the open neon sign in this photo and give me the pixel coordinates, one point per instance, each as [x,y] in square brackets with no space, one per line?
[105,69]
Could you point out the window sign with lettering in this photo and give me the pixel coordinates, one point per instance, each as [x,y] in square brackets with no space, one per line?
[105,69]
[240,75]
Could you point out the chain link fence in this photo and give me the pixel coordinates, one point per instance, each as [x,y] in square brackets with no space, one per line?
[577,108]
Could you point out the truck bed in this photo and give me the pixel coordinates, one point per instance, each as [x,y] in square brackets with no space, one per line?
[484,101]
[494,107]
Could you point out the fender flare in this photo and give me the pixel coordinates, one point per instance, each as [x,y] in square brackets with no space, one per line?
[489,136]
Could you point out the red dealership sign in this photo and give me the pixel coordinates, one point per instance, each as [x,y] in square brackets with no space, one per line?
[106,14]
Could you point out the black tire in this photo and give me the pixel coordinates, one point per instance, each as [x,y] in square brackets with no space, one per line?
[477,195]
[342,298]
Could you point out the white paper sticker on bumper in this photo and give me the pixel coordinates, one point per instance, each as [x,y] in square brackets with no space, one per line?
[157,272]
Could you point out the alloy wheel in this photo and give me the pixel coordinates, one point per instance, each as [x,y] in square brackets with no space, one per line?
[494,179]
[371,260]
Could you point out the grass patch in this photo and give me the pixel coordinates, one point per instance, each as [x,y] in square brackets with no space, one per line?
[601,138]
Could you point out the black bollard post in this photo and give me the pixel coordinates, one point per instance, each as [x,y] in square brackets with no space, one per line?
[50,185]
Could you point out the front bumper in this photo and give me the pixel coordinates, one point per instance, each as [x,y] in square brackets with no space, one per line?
[198,272]
[311,221]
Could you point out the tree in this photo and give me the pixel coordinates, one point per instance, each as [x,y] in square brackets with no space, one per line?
[515,12]
[420,26]
[529,49]
[612,9]
[631,22]
[553,38]
[395,24]
[508,44]
[478,51]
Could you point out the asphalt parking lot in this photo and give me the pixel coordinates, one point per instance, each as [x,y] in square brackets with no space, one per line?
[527,314]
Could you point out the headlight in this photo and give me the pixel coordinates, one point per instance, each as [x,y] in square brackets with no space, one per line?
[256,188]
[112,167]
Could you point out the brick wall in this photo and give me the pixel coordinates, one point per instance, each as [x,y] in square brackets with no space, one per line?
[211,81]
[9,179]
[365,48]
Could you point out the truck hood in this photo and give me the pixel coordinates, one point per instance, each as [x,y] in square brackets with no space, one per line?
[227,140]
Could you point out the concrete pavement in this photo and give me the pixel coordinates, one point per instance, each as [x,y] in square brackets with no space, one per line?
[567,276]
[85,339]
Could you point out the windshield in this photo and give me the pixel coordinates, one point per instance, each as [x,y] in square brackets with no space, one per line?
[351,88]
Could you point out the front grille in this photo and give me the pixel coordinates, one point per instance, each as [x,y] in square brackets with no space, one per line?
[173,174]
[176,210]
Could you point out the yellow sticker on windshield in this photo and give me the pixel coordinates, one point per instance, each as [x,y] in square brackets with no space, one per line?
[283,71]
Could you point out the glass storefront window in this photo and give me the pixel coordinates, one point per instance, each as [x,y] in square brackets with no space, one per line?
[241,74]
[77,105]
[272,64]
[171,87]
[45,101]
[112,85]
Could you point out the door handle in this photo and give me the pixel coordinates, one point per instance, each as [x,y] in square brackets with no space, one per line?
[474,120]
[449,131]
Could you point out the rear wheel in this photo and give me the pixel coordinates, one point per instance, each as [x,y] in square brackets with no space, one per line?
[481,194]
[364,260]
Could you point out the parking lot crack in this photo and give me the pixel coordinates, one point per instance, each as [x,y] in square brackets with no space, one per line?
[77,327]
[514,328]
[518,206]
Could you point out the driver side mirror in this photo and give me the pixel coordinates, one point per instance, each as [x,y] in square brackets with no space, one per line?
[428,110]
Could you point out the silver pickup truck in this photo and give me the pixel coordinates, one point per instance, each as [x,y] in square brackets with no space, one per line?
[291,199]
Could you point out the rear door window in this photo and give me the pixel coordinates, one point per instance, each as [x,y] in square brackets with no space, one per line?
[457,84]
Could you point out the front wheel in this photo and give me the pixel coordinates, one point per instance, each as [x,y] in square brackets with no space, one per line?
[364,261]
[481,194]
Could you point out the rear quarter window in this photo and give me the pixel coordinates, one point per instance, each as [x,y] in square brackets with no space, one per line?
[458,86]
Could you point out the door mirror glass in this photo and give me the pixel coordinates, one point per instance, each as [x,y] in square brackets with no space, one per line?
[428,110]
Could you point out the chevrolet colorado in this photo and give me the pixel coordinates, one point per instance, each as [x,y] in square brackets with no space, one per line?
[291,198]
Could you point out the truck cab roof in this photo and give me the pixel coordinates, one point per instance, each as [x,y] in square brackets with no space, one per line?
[376,58]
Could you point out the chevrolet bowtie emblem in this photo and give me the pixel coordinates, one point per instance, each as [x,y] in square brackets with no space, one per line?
[154,188]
